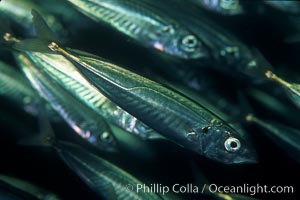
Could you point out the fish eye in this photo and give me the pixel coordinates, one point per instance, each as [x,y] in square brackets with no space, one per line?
[189,42]
[232,144]
[106,136]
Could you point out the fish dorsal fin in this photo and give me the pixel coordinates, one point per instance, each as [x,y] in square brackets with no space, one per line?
[42,29]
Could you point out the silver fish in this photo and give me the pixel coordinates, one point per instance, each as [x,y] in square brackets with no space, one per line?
[81,119]
[106,179]
[145,23]
[169,113]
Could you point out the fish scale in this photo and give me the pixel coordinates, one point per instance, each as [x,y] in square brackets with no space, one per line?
[134,101]
[109,178]
[96,171]
[159,107]
[79,87]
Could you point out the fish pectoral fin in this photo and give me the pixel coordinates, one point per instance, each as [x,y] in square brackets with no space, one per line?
[42,29]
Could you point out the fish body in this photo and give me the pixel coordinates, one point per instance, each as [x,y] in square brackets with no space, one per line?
[169,113]
[66,74]
[227,53]
[106,179]
[81,119]
[143,22]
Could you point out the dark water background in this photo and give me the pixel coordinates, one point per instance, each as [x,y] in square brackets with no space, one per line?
[159,161]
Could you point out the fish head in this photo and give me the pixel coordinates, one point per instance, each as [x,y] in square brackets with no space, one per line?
[100,136]
[180,43]
[220,142]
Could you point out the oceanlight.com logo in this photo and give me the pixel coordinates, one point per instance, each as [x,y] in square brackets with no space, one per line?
[250,189]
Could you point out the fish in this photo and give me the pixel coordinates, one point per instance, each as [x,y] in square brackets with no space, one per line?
[66,74]
[169,113]
[146,24]
[224,7]
[292,89]
[18,11]
[88,125]
[286,137]
[16,88]
[29,188]
[104,178]
[228,54]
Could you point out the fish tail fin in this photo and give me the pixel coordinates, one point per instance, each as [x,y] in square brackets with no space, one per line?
[44,36]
